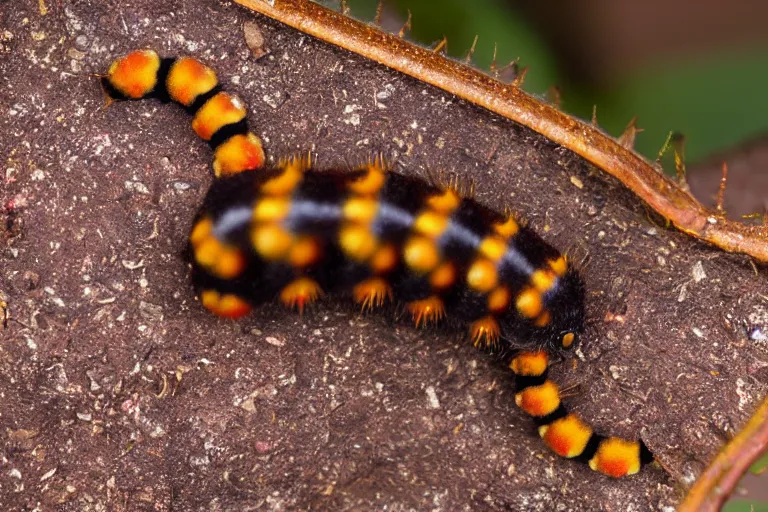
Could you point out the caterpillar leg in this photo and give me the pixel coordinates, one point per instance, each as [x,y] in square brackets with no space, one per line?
[565,433]
[219,118]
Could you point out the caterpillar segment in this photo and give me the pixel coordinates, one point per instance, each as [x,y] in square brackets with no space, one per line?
[219,118]
[565,433]
[294,233]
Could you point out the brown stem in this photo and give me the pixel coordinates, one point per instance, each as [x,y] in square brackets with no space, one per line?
[661,193]
[721,477]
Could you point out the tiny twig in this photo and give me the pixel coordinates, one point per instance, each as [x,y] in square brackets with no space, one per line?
[660,193]
[721,477]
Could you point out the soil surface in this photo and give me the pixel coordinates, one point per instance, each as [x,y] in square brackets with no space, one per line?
[119,392]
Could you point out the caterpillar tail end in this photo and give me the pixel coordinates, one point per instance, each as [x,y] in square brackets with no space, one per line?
[565,433]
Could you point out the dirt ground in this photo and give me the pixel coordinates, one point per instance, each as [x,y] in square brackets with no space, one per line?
[119,392]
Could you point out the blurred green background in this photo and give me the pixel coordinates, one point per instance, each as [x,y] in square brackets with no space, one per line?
[696,68]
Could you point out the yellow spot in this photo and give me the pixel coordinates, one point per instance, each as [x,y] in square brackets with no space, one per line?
[187,79]
[385,259]
[357,241]
[271,241]
[427,311]
[560,265]
[370,183]
[201,231]
[227,305]
[431,224]
[372,293]
[493,247]
[421,254]
[530,364]
[135,75]
[529,303]
[543,320]
[539,400]
[444,202]
[485,331]
[498,299]
[507,228]
[300,292]
[567,436]
[271,209]
[443,276]
[208,251]
[305,251]
[567,340]
[218,111]
[360,209]
[482,275]
[239,153]
[616,457]
[229,264]
[543,280]
[284,183]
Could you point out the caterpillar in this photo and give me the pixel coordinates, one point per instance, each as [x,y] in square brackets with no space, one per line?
[293,233]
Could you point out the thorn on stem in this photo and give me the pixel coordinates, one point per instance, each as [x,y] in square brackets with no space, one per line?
[678,142]
[441,46]
[494,71]
[721,189]
[379,12]
[594,116]
[627,137]
[520,78]
[406,26]
[344,7]
[664,147]
[554,96]
[468,58]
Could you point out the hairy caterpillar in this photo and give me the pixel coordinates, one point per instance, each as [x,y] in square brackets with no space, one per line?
[293,232]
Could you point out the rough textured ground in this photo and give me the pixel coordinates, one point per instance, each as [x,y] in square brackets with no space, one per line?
[118,392]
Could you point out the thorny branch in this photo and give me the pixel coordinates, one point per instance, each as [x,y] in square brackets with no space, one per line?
[662,194]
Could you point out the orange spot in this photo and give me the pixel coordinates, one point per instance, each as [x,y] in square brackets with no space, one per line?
[385,259]
[482,275]
[208,251]
[616,457]
[507,228]
[485,331]
[284,183]
[271,241]
[201,231]
[357,241]
[305,251]
[218,111]
[530,364]
[227,305]
[568,339]
[187,79]
[360,209]
[239,153]
[300,292]
[498,299]
[372,293]
[371,182]
[229,264]
[135,75]
[271,209]
[560,265]
[543,280]
[567,436]
[443,276]
[421,254]
[444,202]
[427,311]
[543,320]
[493,247]
[529,303]
[539,400]
[430,223]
